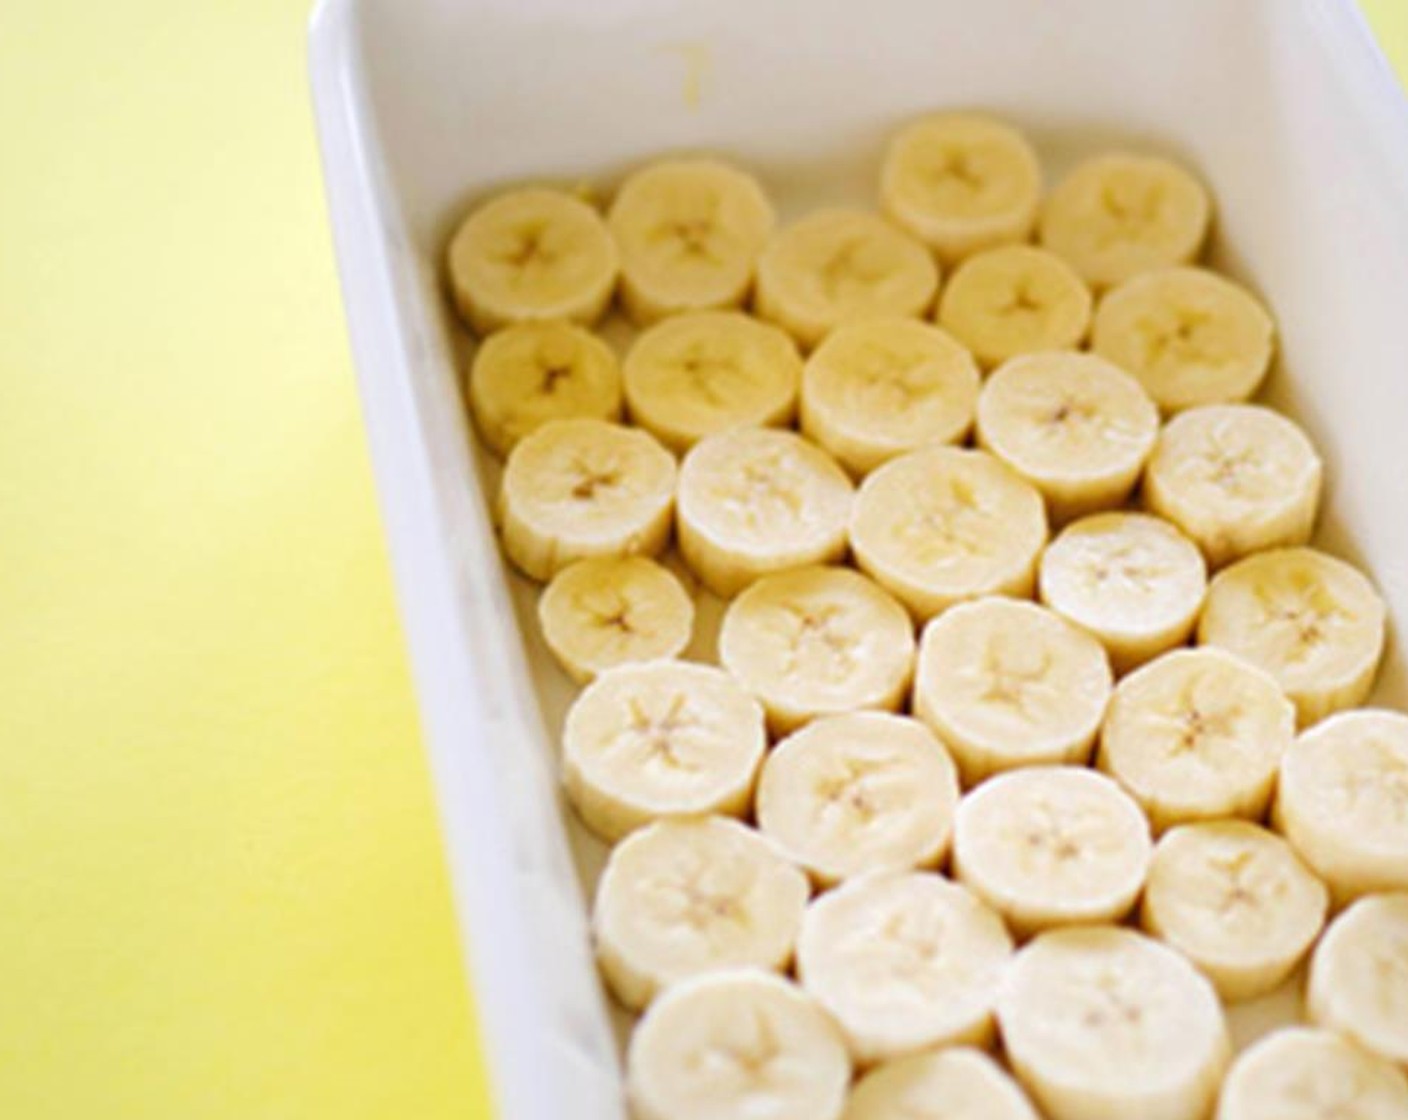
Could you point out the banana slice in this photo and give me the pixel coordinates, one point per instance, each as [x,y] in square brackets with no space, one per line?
[1237,478]
[1298,1073]
[861,792]
[660,739]
[1073,425]
[957,1084]
[835,266]
[818,641]
[1052,845]
[1120,214]
[756,500]
[961,182]
[532,254]
[1017,299]
[693,375]
[944,524]
[689,232]
[1195,735]
[1133,581]
[1343,801]
[1104,1024]
[738,1043]
[683,897]
[879,388]
[1236,901]
[1359,976]
[530,373]
[903,962]
[1006,683]
[611,610]
[1311,621]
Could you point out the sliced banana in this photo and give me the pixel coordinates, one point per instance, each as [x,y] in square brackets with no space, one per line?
[1119,214]
[1236,901]
[682,897]
[530,254]
[1052,845]
[607,611]
[1359,975]
[955,1084]
[1195,735]
[1017,299]
[581,488]
[1299,1073]
[903,962]
[1006,683]
[861,792]
[1311,621]
[1072,425]
[689,233]
[1133,581]
[692,375]
[818,641]
[1104,1024]
[943,524]
[1237,478]
[961,182]
[1342,801]
[660,739]
[740,1043]
[881,387]
[530,373]
[1190,336]
[835,266]
[758,500]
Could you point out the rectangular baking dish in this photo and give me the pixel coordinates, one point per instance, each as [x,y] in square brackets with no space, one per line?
[1284,106]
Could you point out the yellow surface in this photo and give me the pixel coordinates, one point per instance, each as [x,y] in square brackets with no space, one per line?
[221,892]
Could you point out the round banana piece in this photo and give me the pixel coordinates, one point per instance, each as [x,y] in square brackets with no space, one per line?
[736,1043]
[660,739]
[1050,846]
[758,500]
[692,375]
[1072,425]
[610,610]
[818,641]
[689,232]
[530,373]
[861,792]
[699,894]
[943,524]
[1299,1073]
[1310,620]
[1359,976]
[1236,478]
[530,254]
[1120,214]
[1007,683]
[1133,581]
[835,266]
[1016,299]
[1236,901]
[903,962]
[1105,1024]
[955,1084]
[581,488]
[1342,801]
[881,387]
[961,182]
[1195,735]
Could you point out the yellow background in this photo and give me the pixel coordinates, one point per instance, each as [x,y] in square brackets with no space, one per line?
[221,891]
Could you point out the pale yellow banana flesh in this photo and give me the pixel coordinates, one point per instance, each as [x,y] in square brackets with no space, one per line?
[1300,1073]
[1359,976]
[956,1083]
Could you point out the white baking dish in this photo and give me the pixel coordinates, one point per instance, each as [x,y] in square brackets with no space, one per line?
[1284,106]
